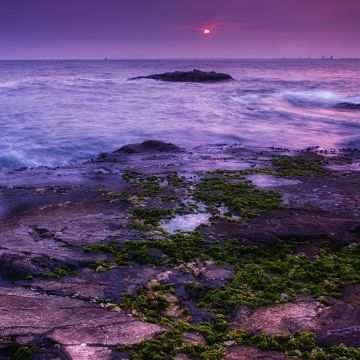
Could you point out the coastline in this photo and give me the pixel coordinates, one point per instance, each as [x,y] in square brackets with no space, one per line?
[84,247]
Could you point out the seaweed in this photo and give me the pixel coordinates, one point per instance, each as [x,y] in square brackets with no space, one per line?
[299,166]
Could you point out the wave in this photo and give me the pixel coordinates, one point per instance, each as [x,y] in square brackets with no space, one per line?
[317,99]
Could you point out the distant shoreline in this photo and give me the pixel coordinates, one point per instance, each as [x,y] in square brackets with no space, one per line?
[192,59]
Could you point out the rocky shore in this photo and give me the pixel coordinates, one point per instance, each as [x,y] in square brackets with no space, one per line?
[158,252]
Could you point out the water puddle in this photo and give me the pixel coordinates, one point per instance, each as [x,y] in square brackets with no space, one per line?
[185,223]
[268,181]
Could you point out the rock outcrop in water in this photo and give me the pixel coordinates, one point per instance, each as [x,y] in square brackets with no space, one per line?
[347,106]
[187,76]
[149,146]
[88,272]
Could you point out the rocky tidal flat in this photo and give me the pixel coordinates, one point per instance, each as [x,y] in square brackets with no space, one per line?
[158,252]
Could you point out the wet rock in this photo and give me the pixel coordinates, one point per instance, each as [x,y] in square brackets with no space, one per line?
[250,353]
[149,146]
[268,181]
[187,76]
[280,319]
[67,322]
[23,256]
[347,106]
[340,321]
[310,251]
[54,354]
[214,276]
[83,351]
[334,323]
[112,284]
[181,357]
[198,314]
[48,217]
[287,224]
[192,338]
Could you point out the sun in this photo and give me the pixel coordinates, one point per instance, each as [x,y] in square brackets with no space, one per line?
[206,31]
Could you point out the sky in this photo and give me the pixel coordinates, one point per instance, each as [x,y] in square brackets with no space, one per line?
[128,29]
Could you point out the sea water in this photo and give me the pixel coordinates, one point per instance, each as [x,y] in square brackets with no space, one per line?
[59,112]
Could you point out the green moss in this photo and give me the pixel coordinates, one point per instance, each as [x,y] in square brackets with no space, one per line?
[149,308]
[170,344]
[264,274]
[150,184]
[178,249]
[59,272]
[299,166]
[11,350]
[241,197]
[123,195]
[181,248]
[25,353]
[150,216]
[124,254]
[173,179]
[301,344]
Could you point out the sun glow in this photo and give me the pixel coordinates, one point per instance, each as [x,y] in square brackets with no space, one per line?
[206,31]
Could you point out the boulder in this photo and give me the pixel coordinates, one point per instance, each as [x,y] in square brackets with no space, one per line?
[149,146]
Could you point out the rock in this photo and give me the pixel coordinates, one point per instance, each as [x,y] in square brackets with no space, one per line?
[347,106]
[47,231]
[191,338]
[112,284]
[339,322]
[25,314]
[280,319]
[187,76]
[333,324]
[215,276]
[181,357]
[83,351]
[149,146]
[285,224]
[55,354]
[251,353]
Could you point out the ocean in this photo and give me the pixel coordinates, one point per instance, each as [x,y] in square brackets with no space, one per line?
[59,112]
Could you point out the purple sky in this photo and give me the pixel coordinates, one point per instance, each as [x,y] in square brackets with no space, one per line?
[172,28]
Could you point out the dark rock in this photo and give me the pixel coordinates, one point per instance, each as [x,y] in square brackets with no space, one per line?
[149,146]
[215,276]
[112,284]
[52,354]
[198,315]
[187,76]
[285,224]
[347,106]
[339,323]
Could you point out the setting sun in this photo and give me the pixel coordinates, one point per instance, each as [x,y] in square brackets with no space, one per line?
[207,31]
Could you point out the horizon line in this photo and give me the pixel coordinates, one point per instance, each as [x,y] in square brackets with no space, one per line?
[187,58]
